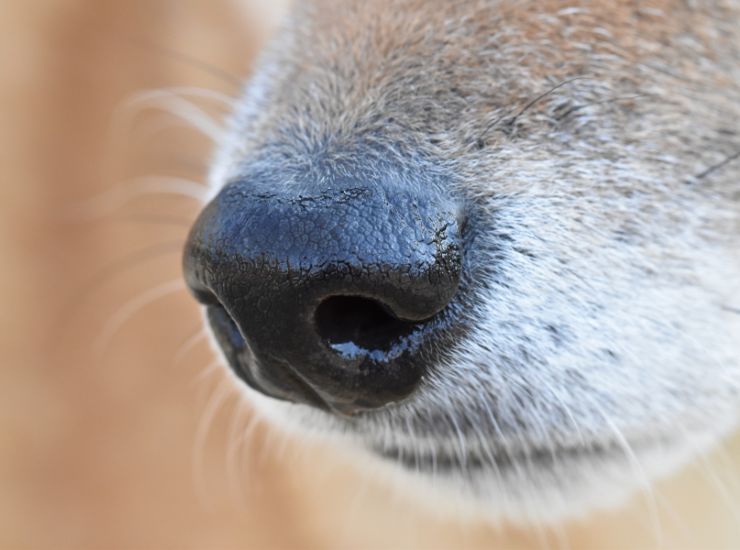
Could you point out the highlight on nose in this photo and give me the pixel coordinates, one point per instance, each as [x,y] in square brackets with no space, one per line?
[331,298]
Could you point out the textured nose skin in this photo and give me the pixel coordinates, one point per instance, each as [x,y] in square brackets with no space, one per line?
[326,298]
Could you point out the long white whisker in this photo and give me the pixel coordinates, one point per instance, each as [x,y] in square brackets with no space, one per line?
[192,91]
[169,101]
[726,483]
[210,369]
[646,487]
[150,128]
[131,308]
[127,191]
[489,452]
[566,409]
[188,345]
[462,451]
[560,534]
[349,524]
[267,450]
[223,390]
[282,445]
[705,467]
[237,427]
[245,441]
[535,512]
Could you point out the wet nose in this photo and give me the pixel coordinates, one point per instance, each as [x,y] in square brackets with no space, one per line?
[326,298]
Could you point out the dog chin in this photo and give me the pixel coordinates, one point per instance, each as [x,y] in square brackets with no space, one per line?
[535,487]
[529,486]
[540,487]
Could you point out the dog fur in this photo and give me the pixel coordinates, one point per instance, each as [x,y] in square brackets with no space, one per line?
[596,149]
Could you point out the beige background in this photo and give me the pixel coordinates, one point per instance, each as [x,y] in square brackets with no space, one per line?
[142,445]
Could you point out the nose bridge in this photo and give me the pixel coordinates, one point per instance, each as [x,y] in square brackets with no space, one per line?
[273,255]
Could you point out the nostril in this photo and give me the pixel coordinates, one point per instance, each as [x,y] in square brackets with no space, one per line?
[228,331]
[352,324]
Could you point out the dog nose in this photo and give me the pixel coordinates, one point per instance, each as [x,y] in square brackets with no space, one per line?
[326,298]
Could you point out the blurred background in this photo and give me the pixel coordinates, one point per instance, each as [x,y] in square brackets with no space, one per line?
[117,428]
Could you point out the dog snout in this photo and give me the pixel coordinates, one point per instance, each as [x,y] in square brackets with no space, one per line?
[326,298]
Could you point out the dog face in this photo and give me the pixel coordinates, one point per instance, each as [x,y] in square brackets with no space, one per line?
[493,243]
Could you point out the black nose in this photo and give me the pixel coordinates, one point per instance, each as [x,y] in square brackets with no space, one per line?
[330,298]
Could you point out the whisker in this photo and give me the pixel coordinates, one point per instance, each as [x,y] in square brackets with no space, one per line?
[488,452]
[212,368]
[352,513]
[77,298]
[110,200]
[559,532]
[193,91]
[245,440]
[148,130]
[566,409]
[267,449]
[511,120]
[610,101]
[131,308]
[718,484]
[460,438]
[192,61]
[721,164]
[724,482]
[533,514]
[542,96]
[192,341]
[129,261]
[647,489]
[237,426]
[154,219]
[169,100]
[223,390]
[282,445]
